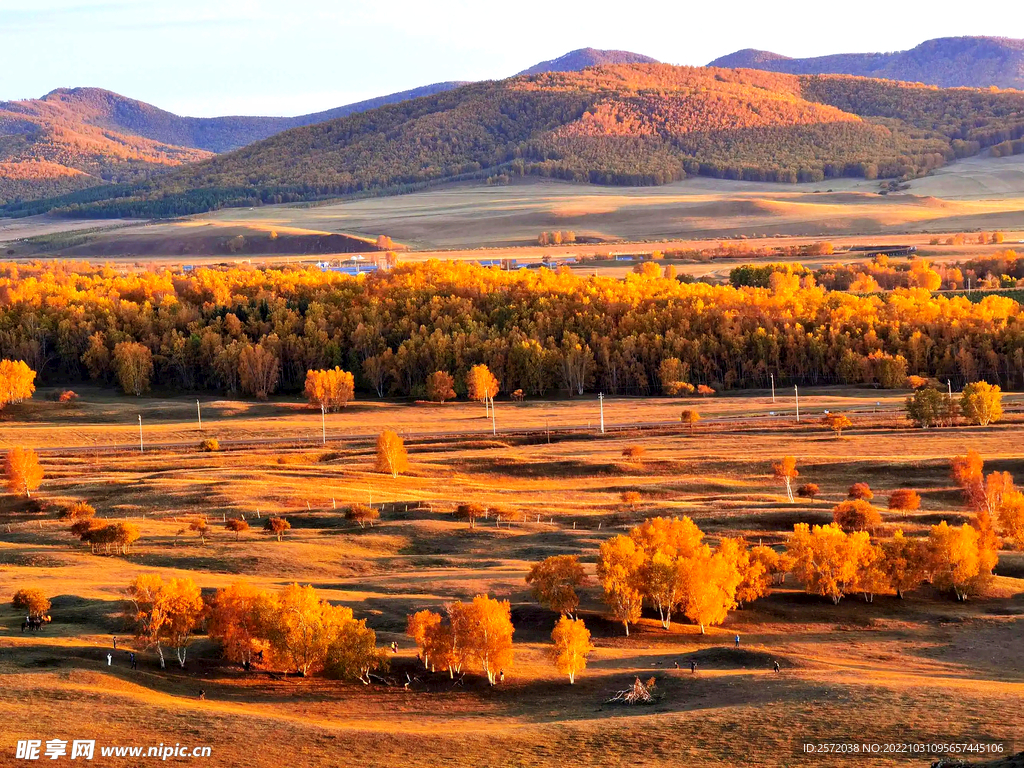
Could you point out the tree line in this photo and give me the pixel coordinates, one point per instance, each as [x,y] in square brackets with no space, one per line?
[257,332]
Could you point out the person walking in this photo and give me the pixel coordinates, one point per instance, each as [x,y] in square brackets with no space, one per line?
[693,667]
[737,641]
[110,659]
[115,642]
[131,657]
[777,670]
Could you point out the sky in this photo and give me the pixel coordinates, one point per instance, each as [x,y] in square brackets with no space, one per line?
[266,57]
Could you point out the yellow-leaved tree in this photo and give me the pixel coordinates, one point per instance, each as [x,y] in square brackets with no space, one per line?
[331,389]
[572,646]
[554,582]
[905,562]
[619,569]
[392,458]
[711,580]
[481,384]
[491,635]
[17,382]
[303,627]
[961,558]
[982,403]
[22,470]
[133,363]
[422,627]
[786,471]
[826,558]
[239,616]
[162,613]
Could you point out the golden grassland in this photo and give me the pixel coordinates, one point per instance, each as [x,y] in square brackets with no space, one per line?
[454,221]
[922,669]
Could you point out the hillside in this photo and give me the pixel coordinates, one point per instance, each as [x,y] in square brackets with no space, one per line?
[627,124]
[75,138]
[977,62]
[67,141]
[582,58]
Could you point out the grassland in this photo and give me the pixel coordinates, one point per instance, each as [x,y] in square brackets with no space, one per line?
[457,221]
[922,669]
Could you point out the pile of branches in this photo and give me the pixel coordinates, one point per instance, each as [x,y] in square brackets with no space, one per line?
[638,693]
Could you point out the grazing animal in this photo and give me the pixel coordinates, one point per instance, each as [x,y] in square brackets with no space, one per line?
[35,623]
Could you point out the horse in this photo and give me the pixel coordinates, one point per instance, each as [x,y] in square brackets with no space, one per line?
[35,623]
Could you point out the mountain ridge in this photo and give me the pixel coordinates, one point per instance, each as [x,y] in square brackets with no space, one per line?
[581,58]
[74,138]
[947,62]
[636,124]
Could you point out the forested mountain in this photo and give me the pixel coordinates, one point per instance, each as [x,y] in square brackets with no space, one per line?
[582,58]
[625,124]
[977,62]
[75,138]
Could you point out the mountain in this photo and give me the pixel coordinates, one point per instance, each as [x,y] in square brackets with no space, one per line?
[582,58]
[75,138]
[625,124]
[976,62]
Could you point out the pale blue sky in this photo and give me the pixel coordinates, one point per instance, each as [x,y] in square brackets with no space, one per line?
[214,57]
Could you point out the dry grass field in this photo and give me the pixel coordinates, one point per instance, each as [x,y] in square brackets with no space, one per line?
[455,221]
[926,668]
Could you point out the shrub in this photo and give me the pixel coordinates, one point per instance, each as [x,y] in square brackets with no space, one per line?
[210,444]
[634,453]
[80,510]
[631,499]
[904,500]
[808,491]
[856,515]
[861,491]
[276,526]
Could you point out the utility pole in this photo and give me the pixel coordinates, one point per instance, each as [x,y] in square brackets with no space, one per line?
[142,448]
[494,427]
[796,394]
[199,413]
[600,399]
[323,423]
[773,387]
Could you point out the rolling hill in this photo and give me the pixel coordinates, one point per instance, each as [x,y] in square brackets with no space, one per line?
[582,58]
[977,62]
[75,138]
[626,124]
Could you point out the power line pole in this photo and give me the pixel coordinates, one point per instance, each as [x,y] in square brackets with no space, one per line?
[773,387]
[796,394]
[494,427]
[142,448]
[600,399]
[199,413]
